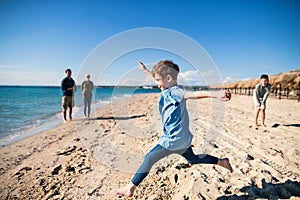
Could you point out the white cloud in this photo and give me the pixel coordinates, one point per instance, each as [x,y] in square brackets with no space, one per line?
[190,78]
[229,80]
[194,77]
[245,79]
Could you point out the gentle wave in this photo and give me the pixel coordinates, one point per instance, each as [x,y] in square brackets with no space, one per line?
[39,109]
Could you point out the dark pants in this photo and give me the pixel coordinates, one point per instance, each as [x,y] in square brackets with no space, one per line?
[158,152]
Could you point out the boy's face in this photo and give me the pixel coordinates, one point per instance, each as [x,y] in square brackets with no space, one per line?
[264,82]
[162,83]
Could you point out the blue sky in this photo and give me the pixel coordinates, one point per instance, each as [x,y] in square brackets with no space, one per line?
[244,38]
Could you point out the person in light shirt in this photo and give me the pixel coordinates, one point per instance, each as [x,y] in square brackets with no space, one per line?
[260,96]
[87,87]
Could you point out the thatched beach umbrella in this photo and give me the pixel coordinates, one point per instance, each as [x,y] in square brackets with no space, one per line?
[231,85]
[254,82]
[272,80]
[248,83]
[278,80]
[286,79]
[235,84]
[216,86]
[296,82]
[226,85]
[240,84]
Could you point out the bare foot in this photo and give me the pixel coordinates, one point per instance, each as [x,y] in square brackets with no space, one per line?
[126,191]
[225,163]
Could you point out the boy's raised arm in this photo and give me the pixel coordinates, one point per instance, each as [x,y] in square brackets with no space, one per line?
[206,94]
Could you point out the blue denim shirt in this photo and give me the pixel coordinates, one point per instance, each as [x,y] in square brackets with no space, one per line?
[175,119]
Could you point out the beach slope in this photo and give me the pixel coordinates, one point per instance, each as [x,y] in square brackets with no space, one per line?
[88,158]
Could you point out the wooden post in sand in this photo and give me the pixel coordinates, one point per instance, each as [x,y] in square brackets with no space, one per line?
[298,92]
[280,92]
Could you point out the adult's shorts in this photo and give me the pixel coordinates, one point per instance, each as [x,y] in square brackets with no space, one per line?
[67,101]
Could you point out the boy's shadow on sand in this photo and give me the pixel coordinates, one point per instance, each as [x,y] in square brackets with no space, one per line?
[118,118]
[294,125]
[268,191]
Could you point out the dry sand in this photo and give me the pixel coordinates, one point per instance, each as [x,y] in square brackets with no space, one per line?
[88,158]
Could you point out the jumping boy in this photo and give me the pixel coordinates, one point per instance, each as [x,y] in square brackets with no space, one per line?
[176,137]
[260,95]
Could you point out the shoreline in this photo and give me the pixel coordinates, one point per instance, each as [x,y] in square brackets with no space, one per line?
[21,123]
[76,160]
[49,123]
[55,119]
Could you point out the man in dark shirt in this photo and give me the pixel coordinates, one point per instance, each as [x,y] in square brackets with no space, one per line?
[68,87]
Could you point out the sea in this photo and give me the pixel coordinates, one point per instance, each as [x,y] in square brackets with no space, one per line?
[29,110]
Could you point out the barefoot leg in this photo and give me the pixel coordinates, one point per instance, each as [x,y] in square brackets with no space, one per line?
[64,115]
[256,118]
[70,113]
[263,116]
[225,163]
[126,191]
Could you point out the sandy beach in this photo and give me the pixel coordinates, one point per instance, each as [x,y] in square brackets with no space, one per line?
[88,158]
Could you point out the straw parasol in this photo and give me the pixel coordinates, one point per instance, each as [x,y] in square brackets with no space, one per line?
[296,83]
[272,80]
[240,84]
[247,83]
[286,79]
[289,79]
[254,82]
[231,85]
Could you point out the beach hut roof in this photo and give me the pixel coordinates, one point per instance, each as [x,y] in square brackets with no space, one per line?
[254,82]
[297,82]
[287,79]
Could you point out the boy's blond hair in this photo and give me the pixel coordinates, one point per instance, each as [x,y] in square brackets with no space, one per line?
[164,68]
